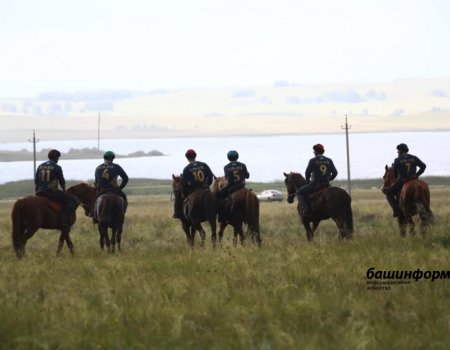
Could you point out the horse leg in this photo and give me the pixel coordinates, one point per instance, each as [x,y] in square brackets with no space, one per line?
[235,237]
[309,231]
[213,225]
[240,232]
[119,237]
[69,242]
[113,239]
[222,227]
[20,238]
[412,225]
[402,224]
[202,233]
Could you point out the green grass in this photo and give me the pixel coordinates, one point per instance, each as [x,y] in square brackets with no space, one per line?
[289,294]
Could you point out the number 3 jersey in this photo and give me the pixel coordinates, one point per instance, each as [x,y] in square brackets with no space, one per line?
[48,176]
[320,169]
[106,175]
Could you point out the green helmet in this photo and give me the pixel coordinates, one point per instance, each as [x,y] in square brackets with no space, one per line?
[109,155]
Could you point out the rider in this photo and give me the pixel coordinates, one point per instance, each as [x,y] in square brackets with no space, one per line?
[235,174]
[195,175]
[106,175]
[48,175]
[405,167]
[320,170]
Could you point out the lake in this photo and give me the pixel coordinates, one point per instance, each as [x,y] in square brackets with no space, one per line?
[267,157]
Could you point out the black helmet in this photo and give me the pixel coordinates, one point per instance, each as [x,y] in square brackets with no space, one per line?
[54,154]
[232,155]
[403,148]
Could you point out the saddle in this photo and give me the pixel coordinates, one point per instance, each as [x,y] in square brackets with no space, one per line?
[52,204]
[318,191]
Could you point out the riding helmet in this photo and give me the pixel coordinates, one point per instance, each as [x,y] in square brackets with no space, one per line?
[190,154]
[232,155]
[403,148]
[109,155]
[318,148]
[54,154]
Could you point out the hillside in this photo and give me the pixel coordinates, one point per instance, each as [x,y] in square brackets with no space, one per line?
[283,108]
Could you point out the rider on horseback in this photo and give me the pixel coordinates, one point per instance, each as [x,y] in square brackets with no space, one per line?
[106,175]
[320,171]
[235,174]
[195,175]
[48,176]
[405,167]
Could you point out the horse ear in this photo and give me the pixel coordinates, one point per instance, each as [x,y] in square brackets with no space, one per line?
[173,176]
[386,167]
[215,177]
[285,175]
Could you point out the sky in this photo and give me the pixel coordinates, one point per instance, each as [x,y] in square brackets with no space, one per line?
[141,45]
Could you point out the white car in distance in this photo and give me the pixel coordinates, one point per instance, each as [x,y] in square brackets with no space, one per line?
[270,195]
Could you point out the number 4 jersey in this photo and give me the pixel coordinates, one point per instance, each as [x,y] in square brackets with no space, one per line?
[106,175]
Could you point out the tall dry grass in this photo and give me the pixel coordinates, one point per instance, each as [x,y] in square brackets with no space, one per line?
[289,294]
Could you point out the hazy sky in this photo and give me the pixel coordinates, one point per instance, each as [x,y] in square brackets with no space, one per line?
[71,45]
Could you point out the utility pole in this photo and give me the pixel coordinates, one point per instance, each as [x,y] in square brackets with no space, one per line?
[34,152]
[98,132]
[349,182]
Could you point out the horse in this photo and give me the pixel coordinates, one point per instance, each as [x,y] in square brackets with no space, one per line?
[199,206]
[244,209]
[329,202]
[107,210]
[413,200]
[31,213]
[110,213]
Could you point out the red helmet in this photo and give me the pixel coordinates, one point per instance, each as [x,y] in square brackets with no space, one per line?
[190,154]
[318,148]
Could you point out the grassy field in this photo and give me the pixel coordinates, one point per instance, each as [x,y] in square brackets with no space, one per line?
[289,294]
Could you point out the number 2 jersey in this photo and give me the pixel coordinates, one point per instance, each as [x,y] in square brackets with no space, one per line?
[320,169]
[48,176]
[106,175]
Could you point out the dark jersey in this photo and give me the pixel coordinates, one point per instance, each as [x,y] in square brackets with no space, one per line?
[48,176]
[196,175]
[106,175]
[236,173]
[406,165]
[320,169]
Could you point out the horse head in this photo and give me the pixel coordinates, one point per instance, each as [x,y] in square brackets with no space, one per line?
[388,178]
[86,195]
[219,183]
[293,182]
[176,183]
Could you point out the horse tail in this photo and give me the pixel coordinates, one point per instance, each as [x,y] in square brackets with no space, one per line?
[423,203]
[18,227]
[252,211]
[350,216]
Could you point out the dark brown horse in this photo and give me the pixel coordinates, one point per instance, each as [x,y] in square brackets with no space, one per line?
[110,213]
[330,202]
[108,210]
[413,200]
[244,209]
[199,206]
[31,213]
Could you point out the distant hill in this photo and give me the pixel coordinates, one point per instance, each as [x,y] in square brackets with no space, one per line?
[283,108]
[73,153]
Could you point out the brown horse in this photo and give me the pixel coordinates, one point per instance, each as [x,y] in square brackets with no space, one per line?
[108,210]
[244,209]
[199,206]
[34,212]
[414,199]
[110,213]
[330,202]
